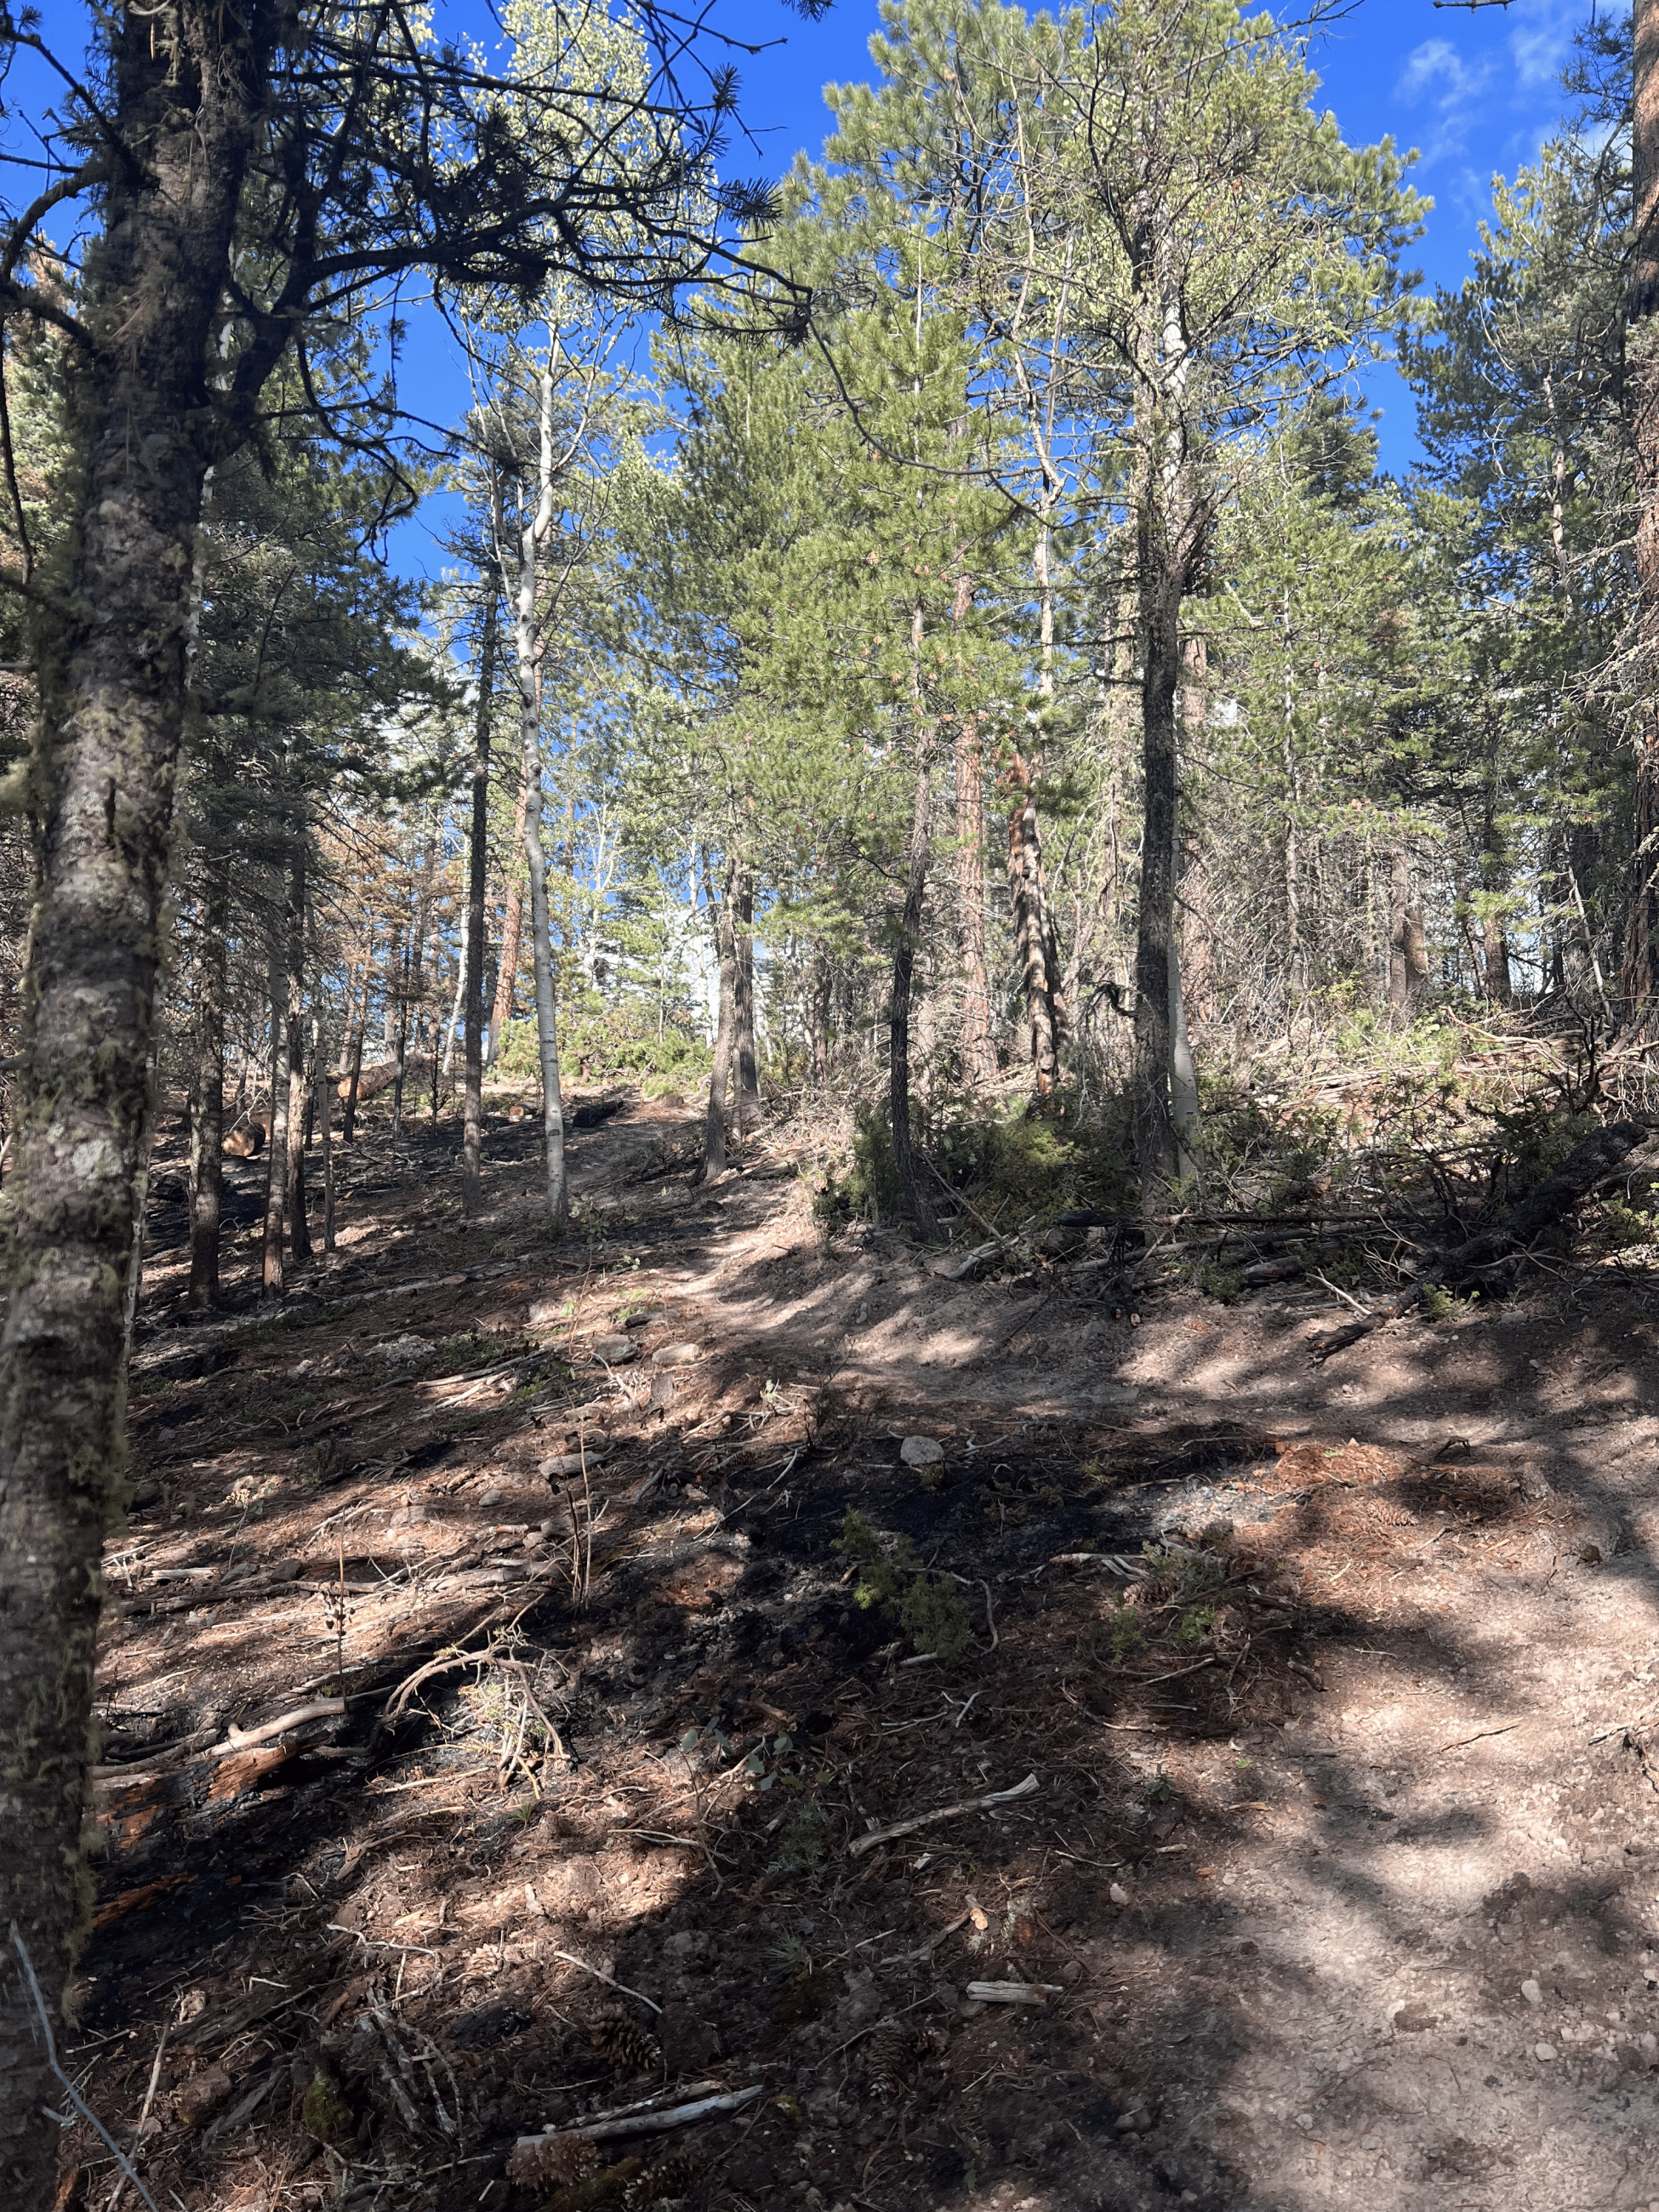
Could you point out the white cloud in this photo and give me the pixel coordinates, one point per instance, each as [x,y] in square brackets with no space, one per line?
[1541,40]
[1436,66]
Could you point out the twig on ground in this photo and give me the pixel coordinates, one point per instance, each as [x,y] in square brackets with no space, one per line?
[571,1959]
[1031,1993]
[245,1739]
[635,2122]
[149,2099]
[1337,1291]
[868,1843]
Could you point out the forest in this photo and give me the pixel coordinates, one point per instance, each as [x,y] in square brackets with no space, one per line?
[929,683]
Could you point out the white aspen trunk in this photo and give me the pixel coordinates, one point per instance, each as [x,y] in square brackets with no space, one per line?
[459,1002]
[537,522]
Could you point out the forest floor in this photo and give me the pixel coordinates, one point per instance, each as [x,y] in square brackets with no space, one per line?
[1341,1889]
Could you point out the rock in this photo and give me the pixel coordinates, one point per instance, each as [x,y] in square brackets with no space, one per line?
[402,1351]
[921,1451]
[1118,1894]
[563,1464]
[1544,2050]
[613,1350]
[1532,1993]
[201,2094]
[677,1355]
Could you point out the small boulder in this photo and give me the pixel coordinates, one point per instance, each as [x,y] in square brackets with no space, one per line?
[614,1350]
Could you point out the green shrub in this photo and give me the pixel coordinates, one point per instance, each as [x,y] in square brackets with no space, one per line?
[928,1608]
[801,1849]
[1127,1633]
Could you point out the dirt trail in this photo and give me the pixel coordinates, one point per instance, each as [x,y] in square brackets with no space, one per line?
[1341,1872]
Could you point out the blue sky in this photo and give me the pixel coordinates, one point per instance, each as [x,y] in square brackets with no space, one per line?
[1476,92]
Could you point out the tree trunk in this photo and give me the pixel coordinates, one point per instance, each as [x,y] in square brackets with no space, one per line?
[820,999]
[400,1047]
[1161,581]
[1494,876]
[349,1125]
[207,1120]
[476,885]
[918,1202]
[325,1109]
[113,712]
[298,1089]
[1640,976]
[1033,928]
[507,971]
[975,1043]
[748,1103]
[275,1276]
[534,523]
[726,954]
[1408,968]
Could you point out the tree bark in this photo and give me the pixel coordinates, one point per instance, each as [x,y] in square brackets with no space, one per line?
[820,999]
[749,1101]
[1641,975]
[1161,582]
[275,1266]
[207,1120]
[349,1124]
[113,704]
[917,1203]
[298,1099]
[1408,966]
[506,970]
[476,885]
[535,521]
[1033,928]
[324,1111]
[975,1043]
[726,1027]
[405,951]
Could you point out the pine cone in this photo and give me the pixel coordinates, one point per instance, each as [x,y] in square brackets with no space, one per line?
[630,2048]
[886,2063]
[665,2184]
[555,2162]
